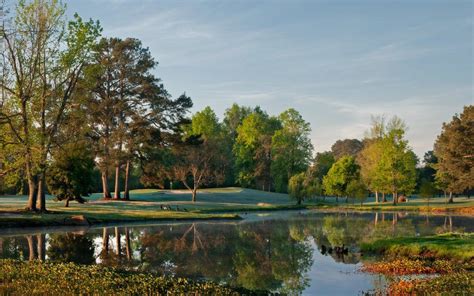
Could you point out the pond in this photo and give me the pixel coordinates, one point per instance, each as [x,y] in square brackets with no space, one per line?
[292,252]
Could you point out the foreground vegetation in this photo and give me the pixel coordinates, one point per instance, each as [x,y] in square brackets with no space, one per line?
[20,278]
[453,246]
[448,257]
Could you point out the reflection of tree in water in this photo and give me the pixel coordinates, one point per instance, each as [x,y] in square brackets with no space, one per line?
[71,247]
[29,247]
[273,255]
[258,256]
[119,255]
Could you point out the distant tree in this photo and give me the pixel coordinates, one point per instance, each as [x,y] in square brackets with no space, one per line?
[369,161]
[454,149]
[70,174]
[253,149]
[347,147]
[427,189]
[291,148]
[296,187]
[397,166]
[200,158]
[341,174]
[234,116]
[357,190]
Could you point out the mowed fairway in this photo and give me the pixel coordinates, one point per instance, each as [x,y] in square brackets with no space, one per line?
[147,204]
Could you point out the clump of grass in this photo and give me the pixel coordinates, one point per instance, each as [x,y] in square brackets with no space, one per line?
[27,278]
[452,246]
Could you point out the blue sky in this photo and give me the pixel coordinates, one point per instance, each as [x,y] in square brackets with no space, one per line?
[337,62]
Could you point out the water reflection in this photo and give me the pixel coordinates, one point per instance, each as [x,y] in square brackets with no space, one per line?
[281,253]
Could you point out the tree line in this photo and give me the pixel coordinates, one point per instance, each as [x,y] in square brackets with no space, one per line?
[383,163]
[77,107]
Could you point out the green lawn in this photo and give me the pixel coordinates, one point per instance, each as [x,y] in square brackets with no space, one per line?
[449,246]
[216,203]
[146,204]
[461,205]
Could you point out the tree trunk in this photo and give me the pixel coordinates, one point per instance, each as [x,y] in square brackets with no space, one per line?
[376,196]
[67,202]
[384,199]
[451,200]
[31,187]
[105,185]
[126,192]
[376,218]
[194,194]
[395,197]
[117,182]
[41,195]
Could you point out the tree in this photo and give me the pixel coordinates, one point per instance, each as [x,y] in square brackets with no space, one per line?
[341,174]
[43,62]
[356,189]
[199,159]
[316,172]
[233,118]
[296,187]
[70,175]
[253,149]
[369,160]
[454,149]
[397,165]
[291,148]
[346,147]
[126,104]
[427,189]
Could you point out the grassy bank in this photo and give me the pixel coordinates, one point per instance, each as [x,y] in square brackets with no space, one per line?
[452,246]
[462,205]
[217,203]
[27,278]
[448,258]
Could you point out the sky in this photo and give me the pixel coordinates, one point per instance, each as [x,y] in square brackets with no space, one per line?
[336,62]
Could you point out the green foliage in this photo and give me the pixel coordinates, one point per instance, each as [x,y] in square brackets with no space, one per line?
[454,149]
[69,176]
[427,189]
[356,189]
[204,124]
[452,246]
[291,148]
[341,174]
[23,278]
[296,187]
[252,149]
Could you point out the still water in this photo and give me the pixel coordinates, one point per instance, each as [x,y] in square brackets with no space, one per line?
[286,252]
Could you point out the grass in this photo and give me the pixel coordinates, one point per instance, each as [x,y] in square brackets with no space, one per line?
[452,246]
[42,278]
[461,205]
[145,204]
[215,203]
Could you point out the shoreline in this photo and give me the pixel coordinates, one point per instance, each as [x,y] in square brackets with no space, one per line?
[20,219]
